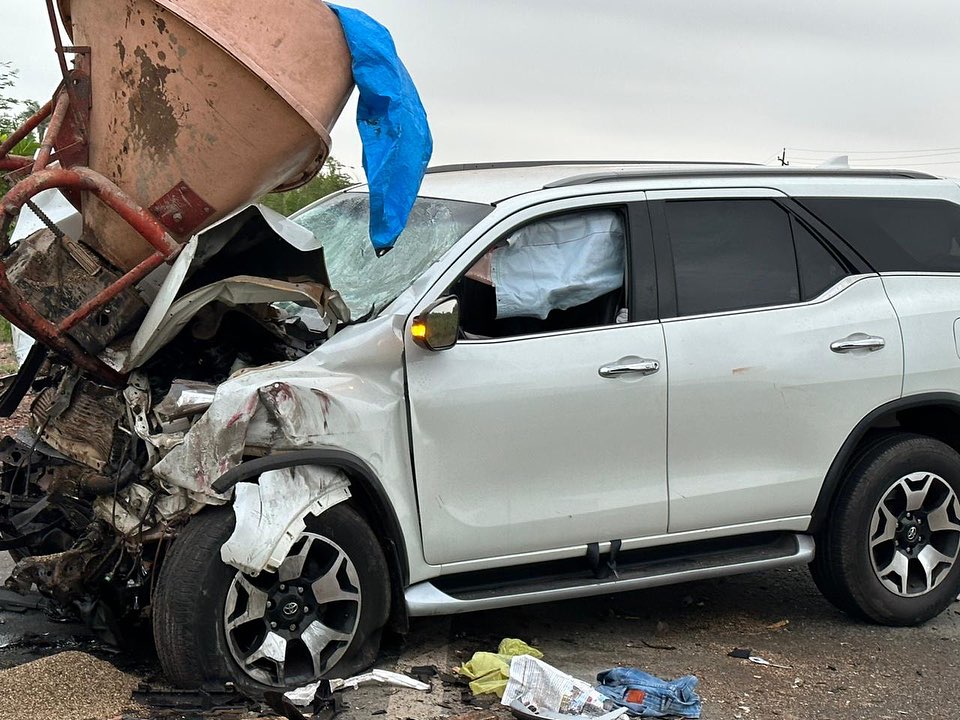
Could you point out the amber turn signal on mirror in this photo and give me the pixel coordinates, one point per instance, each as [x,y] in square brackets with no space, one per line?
[436,327]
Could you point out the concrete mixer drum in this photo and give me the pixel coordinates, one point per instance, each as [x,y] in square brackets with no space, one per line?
[176,113]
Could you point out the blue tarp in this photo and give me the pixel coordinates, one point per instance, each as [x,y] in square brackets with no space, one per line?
[397,144]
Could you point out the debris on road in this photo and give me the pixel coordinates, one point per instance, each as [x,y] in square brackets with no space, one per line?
[745,654]
[489,672]
[70,684]
[193,701]
[653,646]
[537,687]
[649,696]
[305,695]
[524,712]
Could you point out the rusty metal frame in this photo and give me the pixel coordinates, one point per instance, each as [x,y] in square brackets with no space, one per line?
[68,114]
[57,118]
[25,316]
[15,162]
[28,127]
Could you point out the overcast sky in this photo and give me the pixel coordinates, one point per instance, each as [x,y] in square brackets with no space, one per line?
[654,79]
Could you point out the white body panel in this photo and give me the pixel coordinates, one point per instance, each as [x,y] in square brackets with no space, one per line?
[760,405]
[519,445]
[928,306]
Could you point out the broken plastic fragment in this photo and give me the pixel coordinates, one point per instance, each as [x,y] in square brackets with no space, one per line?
[305,695]
[270,514]
[186,398]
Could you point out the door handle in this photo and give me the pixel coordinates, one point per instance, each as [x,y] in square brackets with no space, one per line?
[858,341]
[637,367]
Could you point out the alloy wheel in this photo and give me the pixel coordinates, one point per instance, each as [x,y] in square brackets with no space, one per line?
[915,534]
[290,627]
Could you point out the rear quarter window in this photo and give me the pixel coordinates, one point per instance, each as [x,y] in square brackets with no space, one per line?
[896,234]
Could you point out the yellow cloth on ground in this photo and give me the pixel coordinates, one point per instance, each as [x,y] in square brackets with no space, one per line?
[489,672]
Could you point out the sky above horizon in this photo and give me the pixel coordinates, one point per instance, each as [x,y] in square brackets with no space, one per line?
[657,79]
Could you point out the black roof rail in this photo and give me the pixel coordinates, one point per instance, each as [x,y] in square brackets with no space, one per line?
[548,163]
[591,178]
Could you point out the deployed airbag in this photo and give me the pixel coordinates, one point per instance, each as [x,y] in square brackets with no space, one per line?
[559,263]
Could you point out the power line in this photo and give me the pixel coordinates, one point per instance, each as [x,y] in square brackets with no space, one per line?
[874,152]
[945,153]
[915,164]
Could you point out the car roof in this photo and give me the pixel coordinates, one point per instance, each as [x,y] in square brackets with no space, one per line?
[490,183]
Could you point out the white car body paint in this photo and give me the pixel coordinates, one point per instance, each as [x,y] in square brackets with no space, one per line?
[928,306]
[729,473]
[760,405]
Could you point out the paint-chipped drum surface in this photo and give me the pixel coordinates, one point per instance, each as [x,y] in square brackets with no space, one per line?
[201,107]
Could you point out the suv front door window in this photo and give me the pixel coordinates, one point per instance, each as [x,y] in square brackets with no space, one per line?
[558,273]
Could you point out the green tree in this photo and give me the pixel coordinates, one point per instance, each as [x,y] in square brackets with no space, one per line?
[13,113]
[332,177]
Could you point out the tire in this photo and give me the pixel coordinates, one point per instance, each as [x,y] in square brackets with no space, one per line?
[890,550]
[198,641]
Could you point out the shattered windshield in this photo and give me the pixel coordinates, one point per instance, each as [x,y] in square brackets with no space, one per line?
[366,281]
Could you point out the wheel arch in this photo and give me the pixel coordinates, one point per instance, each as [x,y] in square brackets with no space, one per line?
[936,415]
[370,497]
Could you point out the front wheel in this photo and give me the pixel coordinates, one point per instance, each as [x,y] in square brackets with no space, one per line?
[890,551]
[320,614]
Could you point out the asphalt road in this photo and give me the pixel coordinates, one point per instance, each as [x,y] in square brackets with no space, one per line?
[839,668]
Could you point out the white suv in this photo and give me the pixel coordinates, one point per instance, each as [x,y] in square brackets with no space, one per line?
[571,379]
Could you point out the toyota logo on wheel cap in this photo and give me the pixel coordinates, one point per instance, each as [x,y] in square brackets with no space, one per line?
[291,608]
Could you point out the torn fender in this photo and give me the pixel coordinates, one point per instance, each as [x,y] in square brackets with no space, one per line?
[347,394]
[271,514]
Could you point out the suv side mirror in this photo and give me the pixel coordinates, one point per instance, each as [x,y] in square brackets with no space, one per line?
[436,327]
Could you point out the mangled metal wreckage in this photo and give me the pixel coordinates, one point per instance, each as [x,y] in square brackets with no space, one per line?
[104,476]
[173,349]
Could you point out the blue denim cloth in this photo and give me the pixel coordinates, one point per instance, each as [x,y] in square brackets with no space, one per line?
[393,125]
[661,698]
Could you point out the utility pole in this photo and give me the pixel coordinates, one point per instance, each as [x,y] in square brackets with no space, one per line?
[783,158]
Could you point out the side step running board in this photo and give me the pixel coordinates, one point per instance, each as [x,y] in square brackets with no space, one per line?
[444,596]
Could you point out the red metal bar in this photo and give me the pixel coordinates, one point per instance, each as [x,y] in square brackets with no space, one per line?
[28,127]
[53,131]
[58,42]
[25,316]
[15,162]
[111,291]
[81,178]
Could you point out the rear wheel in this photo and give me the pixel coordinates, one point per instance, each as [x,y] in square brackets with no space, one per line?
[890,552]
[320,613]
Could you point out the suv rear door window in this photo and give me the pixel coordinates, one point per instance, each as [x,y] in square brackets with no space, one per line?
[896,234]
[737,254]
[731,254]
[819,267]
